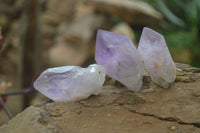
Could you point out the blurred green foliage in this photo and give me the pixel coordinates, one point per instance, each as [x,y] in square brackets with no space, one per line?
[182,25]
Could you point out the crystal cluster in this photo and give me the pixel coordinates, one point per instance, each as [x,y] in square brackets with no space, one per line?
[70,83]
[157,59]
[126,64]
[120,58]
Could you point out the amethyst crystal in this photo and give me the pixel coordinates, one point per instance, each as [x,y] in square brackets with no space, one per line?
[157,59]
[120,58]
[70,83]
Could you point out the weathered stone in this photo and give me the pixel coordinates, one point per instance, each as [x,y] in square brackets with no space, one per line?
[82,9]
[131,11]
[116,109]
[63,53]
[57,12]
[3,117]
[75,37]
[63,7]
[81,30]
[32,120]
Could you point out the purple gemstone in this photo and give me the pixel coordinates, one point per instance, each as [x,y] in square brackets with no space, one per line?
[157,59]
[120,58]
[70,83]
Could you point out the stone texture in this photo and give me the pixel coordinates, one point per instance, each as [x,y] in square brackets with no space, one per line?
[81,30]
[62,54]
[3,117]
[63,7]
[70,83]
[57,12]
[117,110]
[157,58]
[120,58]
[32,120]
[82,9]
[131,11]
[75,37]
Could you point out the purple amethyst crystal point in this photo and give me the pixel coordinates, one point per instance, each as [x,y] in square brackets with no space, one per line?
[71,83]
[120,58]
[157,59]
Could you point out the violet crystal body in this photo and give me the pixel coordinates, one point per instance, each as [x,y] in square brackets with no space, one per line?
[69,83]
[120,58]
[157,59]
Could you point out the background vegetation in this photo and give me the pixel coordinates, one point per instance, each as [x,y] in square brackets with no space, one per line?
[181,28]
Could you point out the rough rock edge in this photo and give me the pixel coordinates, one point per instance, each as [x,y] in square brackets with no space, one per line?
[122,97]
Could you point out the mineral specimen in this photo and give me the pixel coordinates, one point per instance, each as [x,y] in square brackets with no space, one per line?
[69,83]
[120,58]
[157,59]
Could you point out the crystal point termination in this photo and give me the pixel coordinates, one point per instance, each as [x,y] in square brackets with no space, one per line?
[157,59]
[70,83]
[120,58]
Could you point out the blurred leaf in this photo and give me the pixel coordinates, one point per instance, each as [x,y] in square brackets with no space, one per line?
[180,3]
[192,14]
[198,3]
[179,40]
[115,19]
[182,30]
[169,15]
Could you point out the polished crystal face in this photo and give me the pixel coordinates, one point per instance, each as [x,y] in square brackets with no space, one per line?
[70,83]
[157,59]
[120,58]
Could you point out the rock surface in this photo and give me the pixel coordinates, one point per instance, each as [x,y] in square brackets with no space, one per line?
[32,120]
[117,110]
[75,37]
[57,12]
[132,11]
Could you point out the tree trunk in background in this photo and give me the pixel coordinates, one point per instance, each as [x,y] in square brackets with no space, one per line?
[30,46]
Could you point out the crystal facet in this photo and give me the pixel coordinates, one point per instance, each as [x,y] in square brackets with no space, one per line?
[157,59]
[120,58]
[70,83]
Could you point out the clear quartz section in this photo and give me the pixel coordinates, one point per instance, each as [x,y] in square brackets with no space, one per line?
[157,59]
[120,58]
[70,83]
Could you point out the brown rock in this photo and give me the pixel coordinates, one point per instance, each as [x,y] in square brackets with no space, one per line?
[132,11]
[82,9]
[118,110]
[73,45]
[66,54]
[32,120]
[63,7]
[58,11]
[81,30]
[3,117]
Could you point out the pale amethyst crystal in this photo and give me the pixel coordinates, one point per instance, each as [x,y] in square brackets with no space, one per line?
[70,83]
[157,59]
[120,58]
